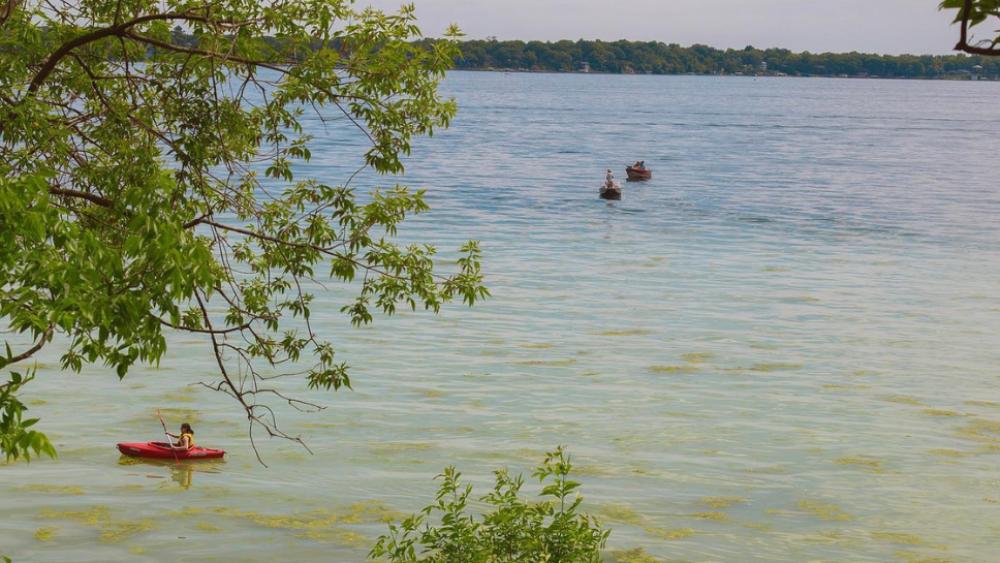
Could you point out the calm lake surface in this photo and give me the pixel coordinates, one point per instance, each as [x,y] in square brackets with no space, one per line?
[783,348]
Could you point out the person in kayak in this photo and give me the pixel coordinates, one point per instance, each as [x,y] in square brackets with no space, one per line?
[609,181]
[185,440]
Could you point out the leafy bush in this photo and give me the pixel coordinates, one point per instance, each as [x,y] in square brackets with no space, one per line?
[551,530]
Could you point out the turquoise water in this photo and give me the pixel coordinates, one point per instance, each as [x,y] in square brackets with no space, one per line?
[797,314]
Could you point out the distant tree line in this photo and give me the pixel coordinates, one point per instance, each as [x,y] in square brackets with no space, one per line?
[662,58]
[651,57]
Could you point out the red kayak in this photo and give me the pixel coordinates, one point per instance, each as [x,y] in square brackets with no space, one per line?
[162,450]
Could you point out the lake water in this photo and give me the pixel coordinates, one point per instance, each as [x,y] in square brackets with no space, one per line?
[783,348]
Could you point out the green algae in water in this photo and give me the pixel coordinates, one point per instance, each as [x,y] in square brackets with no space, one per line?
[187,512]
[547,363]
[903,400]
[92,517]
[397,447]
[46,534]
[536,346]
[112,531]
[345,538]
[673,369]
[987,404]
[828,512]
[714,516]
[636,555]
[873,464]
[940,412]
[130,487]
[721,502]
[294,521]
[177,398]
[833,386]
[119,531]
[137,550]
[915,557]
[905,539]
[205,527]
[636,332]
[947,453]
[697,357]
[591,471]
[981,430]
[772,470]
[760,527]
[39,488]
[433,393]
[670,533]
[618,513]
[370,511]
[768,367]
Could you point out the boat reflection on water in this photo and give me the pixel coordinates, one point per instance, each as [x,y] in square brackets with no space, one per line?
[181,473]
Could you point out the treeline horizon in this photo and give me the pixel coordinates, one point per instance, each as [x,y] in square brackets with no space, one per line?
[652,57]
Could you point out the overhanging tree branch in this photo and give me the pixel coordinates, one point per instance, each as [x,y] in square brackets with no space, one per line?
[966,23]
[46,337]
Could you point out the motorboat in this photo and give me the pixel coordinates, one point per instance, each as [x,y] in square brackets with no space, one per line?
[638,174]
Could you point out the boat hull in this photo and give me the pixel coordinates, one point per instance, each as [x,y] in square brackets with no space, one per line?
[160,450]
[638,174]
[610,193]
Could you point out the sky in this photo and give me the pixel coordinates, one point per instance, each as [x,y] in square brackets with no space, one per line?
[870,26]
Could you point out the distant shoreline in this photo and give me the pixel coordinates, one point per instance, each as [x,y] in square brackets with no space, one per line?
[658,58]
[958,78]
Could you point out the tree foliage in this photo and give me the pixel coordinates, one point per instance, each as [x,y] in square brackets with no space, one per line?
[973,13]
[16,439]
[148,186]
[516,530]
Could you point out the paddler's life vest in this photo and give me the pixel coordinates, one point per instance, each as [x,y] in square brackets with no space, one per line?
[190,438]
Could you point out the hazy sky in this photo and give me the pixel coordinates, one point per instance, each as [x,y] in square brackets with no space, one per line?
[879,26]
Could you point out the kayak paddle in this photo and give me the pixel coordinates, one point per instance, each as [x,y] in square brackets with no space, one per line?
[169,441]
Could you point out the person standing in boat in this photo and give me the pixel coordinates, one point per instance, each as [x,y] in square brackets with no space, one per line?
[609,181]
[185,440]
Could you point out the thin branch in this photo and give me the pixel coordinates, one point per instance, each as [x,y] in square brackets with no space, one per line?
[93,198]
[201,331]
[46,337]
[116,30]
[209,54]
